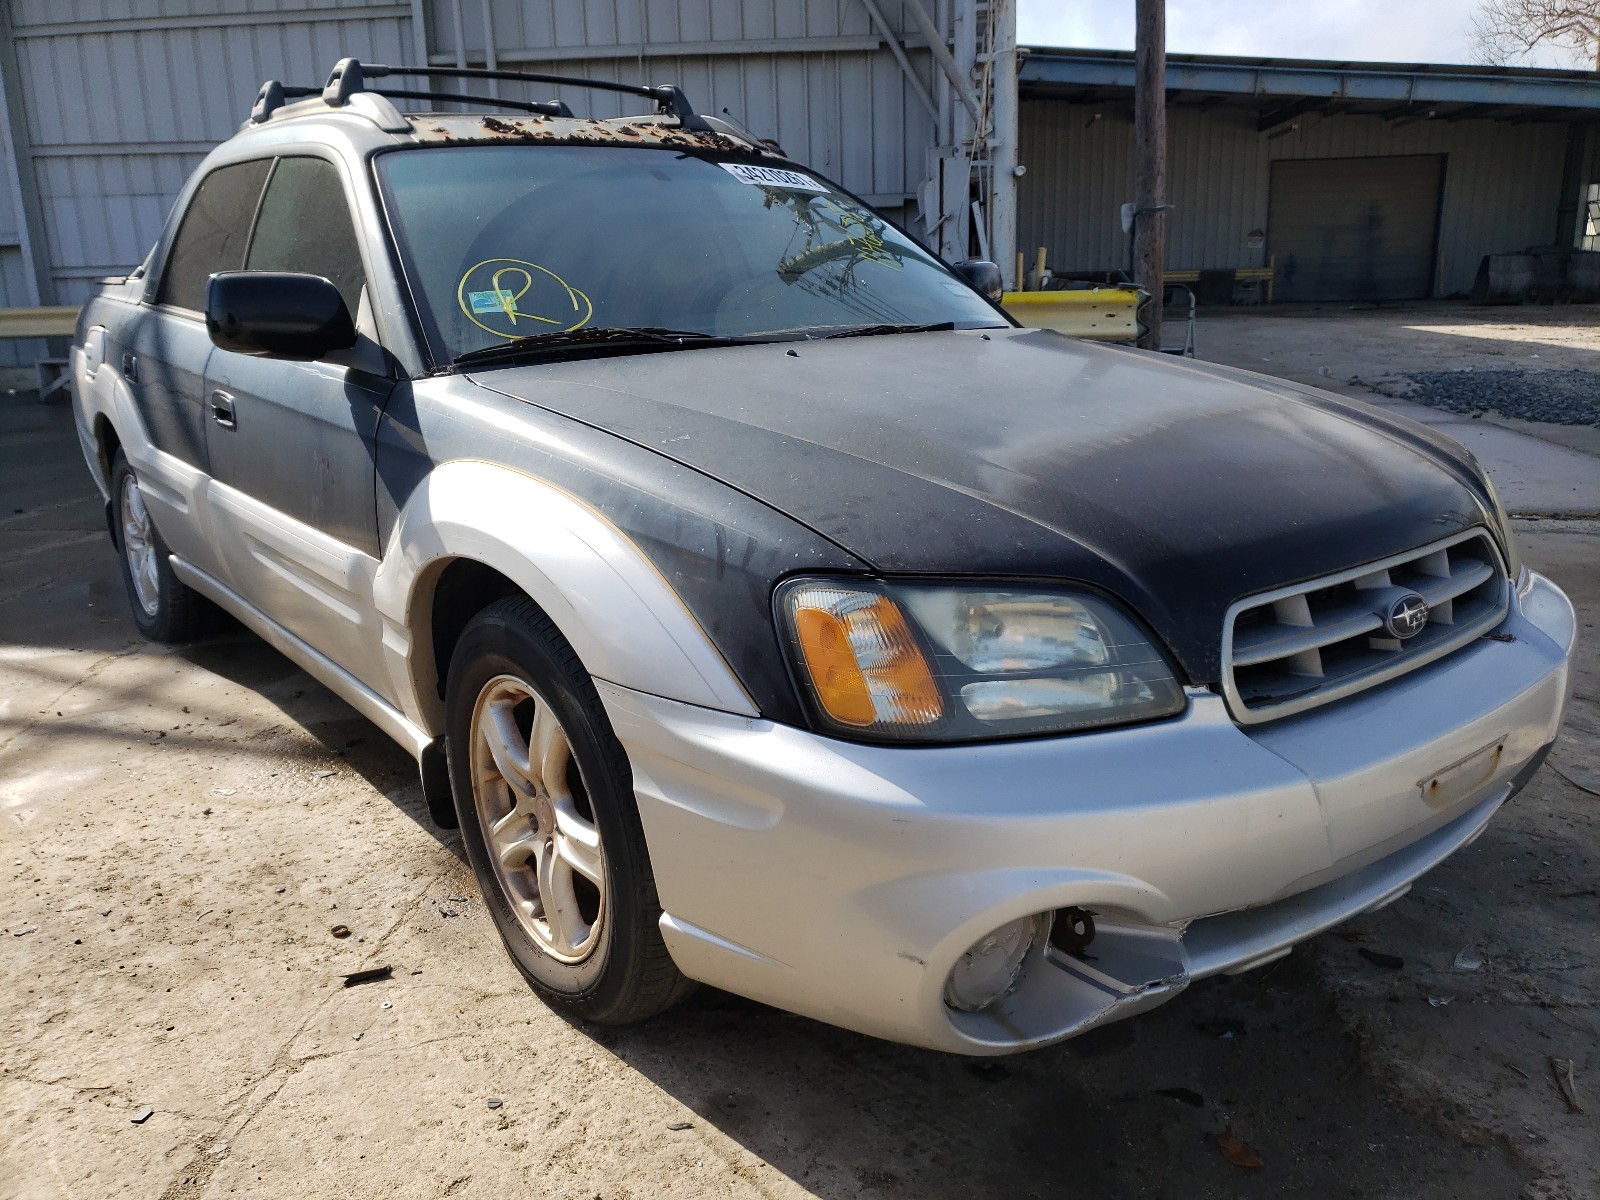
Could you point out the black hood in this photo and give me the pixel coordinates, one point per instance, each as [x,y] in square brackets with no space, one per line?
[1177,486]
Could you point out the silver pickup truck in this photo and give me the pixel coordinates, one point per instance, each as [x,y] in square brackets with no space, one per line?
[768,609]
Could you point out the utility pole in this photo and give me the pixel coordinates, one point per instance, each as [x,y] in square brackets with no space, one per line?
[1150,158]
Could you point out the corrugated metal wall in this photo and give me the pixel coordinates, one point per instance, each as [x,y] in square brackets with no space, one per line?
[1501,192]
[124,97]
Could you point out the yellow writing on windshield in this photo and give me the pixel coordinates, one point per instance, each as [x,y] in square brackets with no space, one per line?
[511,298]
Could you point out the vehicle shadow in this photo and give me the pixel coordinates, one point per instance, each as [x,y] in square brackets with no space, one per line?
[342,734]
[1135,1109]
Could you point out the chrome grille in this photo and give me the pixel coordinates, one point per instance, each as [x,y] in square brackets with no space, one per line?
[1302,646]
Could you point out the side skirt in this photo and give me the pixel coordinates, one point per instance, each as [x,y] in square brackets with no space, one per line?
[428,751]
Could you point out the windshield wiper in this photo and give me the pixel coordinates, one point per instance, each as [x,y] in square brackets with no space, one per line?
[625,339]
[874,330]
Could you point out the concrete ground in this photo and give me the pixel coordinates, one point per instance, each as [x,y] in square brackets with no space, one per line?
[181,829]
[1365,352]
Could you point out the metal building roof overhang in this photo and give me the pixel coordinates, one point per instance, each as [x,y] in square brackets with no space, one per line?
[1282,89]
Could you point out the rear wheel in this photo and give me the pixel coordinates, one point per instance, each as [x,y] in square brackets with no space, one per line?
[545,800]
[164,608]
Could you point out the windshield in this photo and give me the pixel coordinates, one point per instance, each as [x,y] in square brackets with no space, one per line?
[504,242]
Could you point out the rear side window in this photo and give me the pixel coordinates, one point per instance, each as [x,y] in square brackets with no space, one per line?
[305,226]
[214,232]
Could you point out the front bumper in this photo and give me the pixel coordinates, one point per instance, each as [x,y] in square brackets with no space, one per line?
[844,881]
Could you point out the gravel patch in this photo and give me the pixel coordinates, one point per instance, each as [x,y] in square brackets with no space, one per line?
[1556,397]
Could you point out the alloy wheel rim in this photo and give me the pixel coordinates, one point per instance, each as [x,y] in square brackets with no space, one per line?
[544,846]
[139,545]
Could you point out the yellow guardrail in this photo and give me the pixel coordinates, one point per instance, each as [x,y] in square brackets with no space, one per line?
[57,321]
[1103,314]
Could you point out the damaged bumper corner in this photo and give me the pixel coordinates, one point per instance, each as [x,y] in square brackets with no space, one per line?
[1129,968]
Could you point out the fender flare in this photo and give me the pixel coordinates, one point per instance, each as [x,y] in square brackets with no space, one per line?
[624,620]
[103,396]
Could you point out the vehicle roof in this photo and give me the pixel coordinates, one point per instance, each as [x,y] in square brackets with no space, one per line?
[439,128]
[365,131]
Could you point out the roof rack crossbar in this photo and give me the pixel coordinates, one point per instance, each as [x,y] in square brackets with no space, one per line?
[549,108]
[350,76]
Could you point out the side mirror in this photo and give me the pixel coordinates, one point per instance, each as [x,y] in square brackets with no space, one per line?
[277,314]
[983,275]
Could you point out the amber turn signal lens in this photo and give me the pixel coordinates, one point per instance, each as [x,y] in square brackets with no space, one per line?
[865,665]
[835,674]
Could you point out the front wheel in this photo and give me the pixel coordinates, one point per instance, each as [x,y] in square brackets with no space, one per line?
[545,800]
[164,608]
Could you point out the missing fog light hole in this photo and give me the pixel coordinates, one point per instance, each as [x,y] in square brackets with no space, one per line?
[1072,930]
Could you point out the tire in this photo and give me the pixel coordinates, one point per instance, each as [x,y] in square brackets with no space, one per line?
[556,845]
[164,607]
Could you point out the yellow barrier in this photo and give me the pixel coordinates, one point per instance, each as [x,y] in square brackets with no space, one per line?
[1102,314]
[38,322]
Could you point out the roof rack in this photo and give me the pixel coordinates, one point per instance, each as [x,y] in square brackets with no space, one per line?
[350,77]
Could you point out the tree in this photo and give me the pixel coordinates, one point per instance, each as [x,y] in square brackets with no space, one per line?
[1505,30]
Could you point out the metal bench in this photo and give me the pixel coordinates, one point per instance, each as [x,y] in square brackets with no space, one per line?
[56,321]
[1261,276]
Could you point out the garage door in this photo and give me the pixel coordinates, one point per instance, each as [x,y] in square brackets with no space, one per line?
[1355,228]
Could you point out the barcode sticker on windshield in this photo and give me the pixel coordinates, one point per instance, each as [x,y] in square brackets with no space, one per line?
[773,177]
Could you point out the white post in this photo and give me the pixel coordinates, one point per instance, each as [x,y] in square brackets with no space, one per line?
[957,232]
[1004,169]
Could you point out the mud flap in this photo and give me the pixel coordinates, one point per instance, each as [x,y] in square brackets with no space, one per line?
[435,774]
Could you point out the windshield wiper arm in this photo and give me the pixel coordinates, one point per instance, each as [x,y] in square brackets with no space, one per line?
[872,330]
[619,337]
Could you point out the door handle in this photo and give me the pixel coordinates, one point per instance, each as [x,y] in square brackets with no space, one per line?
[222,409]
[130,367]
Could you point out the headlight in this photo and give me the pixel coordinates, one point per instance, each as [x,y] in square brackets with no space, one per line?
[960,662]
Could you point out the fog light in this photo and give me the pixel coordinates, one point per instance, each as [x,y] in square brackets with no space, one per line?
[991,969]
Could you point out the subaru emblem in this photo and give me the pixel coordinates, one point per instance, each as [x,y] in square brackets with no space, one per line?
[1406,616]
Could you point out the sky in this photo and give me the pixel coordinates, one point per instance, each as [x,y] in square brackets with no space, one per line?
[1437,31]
